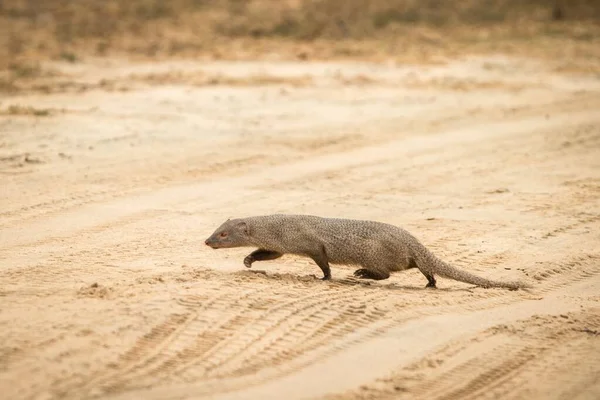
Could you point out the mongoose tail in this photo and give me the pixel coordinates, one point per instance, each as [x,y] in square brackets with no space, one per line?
[432,265]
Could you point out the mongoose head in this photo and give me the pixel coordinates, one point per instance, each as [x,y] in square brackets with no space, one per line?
[232,233]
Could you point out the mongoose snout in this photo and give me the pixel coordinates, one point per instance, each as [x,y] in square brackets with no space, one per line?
[211,242]
[215,244]
[378,248]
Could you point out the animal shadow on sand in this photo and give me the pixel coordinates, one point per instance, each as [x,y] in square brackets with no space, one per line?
[311,279]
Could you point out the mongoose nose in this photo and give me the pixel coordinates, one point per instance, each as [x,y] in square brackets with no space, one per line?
[206,242]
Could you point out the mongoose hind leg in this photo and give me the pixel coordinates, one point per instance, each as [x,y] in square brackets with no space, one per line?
[371,274]
[260,255]
[431,280]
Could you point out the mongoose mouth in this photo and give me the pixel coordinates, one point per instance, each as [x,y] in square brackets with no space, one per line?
[211,244]
[217,243]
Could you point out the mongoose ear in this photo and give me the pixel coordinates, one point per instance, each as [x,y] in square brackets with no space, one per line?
[243,227]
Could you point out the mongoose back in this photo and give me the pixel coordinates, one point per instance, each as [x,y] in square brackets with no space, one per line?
[378,248]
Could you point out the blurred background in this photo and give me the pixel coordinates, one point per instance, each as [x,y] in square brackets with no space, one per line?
[407,30]
[131,129]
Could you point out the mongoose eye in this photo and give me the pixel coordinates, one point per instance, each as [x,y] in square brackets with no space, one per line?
[223,234]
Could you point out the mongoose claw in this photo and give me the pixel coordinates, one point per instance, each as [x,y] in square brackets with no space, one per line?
[248,262]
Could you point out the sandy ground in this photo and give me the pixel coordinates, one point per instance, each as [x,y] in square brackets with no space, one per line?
[114,174]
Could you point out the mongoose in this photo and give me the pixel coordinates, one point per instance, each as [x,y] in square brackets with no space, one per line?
[377,247]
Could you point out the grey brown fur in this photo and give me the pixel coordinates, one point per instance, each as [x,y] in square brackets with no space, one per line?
[378,248]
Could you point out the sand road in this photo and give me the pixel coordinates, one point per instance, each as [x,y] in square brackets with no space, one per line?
[110,188]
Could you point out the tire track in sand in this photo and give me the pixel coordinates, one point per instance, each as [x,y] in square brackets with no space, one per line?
[503,362]
[159,343]
[226,373]
[206,351]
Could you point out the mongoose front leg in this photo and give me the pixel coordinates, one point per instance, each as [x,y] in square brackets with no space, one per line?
[324,265]
[371,274]
[260,255]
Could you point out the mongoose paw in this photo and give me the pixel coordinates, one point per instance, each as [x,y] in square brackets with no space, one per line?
[248,262]
[362,273]
[430,286]
[326,278]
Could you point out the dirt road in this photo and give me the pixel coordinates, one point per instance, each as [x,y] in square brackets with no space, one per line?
[113,178]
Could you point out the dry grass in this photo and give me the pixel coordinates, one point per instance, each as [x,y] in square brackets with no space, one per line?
[204,79]
[406,30]
[465,85]
[359,19]
[15,110]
